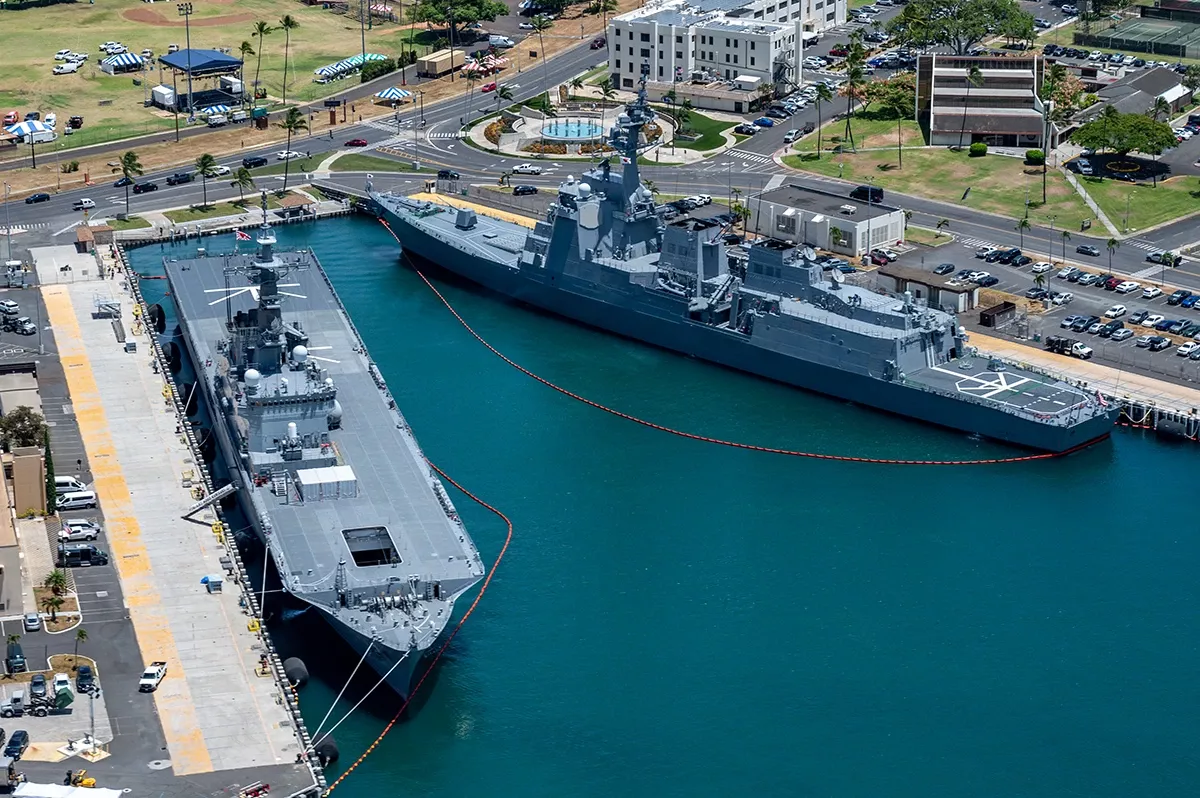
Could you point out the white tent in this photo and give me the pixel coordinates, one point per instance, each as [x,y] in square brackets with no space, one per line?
[28,789]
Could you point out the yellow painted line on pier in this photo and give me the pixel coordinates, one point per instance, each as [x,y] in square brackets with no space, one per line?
[482,210]
[151,625]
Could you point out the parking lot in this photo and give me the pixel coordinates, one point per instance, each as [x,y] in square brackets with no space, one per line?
[1087,300]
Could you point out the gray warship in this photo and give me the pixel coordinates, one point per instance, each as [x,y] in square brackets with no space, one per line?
[326,468]
[603,256]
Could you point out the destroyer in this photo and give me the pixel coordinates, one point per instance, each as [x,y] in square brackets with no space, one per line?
[326,468]
[602,256]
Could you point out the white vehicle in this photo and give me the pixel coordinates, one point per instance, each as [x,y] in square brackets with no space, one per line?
[172,48]
[526,26]
[704,199]
[120,49]
[890,254]
[9,308]
[1081,351]
[527,169]
[1085,166]
[61,680]
[1151,291]
[985,250]
[1123,334]
[147,53]
[83,204]
[1064,298]
[1127,287]
[1151,320]
[51,119]
[152,677]
[61,55]
[288,155]
[1064,271]
[78,57]
[975,277]
[220,171]
[107,45]
[66,69]
[1116,312]
[815,63]
[501,41]
[1187,349]
[790,136]
[1041,268]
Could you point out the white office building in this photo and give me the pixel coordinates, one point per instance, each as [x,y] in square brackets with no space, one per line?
[707,42]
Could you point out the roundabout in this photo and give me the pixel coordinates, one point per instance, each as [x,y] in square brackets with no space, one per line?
[575,131]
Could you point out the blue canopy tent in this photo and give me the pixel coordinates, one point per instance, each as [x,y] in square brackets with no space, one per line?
[214,109]
[23,131]
[194,64]
[125,62]
[393,94]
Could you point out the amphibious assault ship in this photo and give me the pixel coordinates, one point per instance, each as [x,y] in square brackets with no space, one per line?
[603,256]
[325,466]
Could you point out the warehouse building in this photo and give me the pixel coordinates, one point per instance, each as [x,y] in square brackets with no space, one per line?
[824,220]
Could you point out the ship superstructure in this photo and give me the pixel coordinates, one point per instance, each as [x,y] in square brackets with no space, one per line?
[603,256]
[329,473]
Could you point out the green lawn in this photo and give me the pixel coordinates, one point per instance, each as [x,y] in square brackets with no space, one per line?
[132,223]
[871,130]
[371,163]
[597,76]
[1147,205]
[997,184]
[707,128]
[922,235]
[196,213]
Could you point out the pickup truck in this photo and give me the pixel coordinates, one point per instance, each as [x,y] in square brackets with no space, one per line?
[1068,346]
[152,677]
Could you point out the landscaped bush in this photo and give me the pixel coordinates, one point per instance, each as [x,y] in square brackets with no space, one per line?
[1035,157]
[978,150]
[547,147]
[492,132]
[377,69]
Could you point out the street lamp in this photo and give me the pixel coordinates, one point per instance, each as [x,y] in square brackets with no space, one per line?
[8,220]
[185,11]
[1050,242]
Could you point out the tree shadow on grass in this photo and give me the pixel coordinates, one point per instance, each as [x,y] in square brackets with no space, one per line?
[887,167]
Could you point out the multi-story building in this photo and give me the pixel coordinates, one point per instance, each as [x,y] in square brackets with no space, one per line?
[1001,107]
[741,43]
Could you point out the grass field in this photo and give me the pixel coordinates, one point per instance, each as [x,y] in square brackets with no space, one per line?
[1147,205]
[196,212]
[923,235]
[707,128]
[131,223]
[871,130]
[371,163]
[998,184]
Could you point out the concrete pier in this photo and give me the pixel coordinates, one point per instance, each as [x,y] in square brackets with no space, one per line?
[218,712]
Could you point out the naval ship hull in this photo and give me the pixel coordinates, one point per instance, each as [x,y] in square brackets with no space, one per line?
[663,324]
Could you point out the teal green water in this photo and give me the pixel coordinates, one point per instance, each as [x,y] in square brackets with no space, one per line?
[675,618]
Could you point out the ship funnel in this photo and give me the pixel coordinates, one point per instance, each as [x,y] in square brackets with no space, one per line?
[253,378]
[300,354]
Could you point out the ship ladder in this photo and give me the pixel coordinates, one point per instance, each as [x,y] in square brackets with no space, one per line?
[215,496]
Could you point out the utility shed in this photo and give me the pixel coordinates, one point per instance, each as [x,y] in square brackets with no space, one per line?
[938,291]
[330,482]
[443,61]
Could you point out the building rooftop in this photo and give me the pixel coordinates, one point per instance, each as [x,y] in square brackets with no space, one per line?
[925,278]
[825,202]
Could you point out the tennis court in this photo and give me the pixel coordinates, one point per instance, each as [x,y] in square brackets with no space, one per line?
[1144,35]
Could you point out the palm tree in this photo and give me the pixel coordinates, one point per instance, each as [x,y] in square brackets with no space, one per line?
[261,29]
[824,95]
[80,637]
[650,186]
[1066,236]
[942,223]
[245,49]
[907,218]
[974,78]
[1022,226]
[1161,109]
[242,181]
[576,86]
[129,167]
[684,115]
[503,94]
[540,25]
[608,92]
[287,23]
[1113,245]
[206,167]
[52,604]
[605,7]
[854,80]
[293,123]
[56,582]
[14,638]
[1039,280]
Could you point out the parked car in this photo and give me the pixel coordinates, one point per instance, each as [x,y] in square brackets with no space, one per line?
[1064,272]
[32,622]
[1116,311]
[17,743]
[1153,320]
[944,268]
[447,174]
[1088,278]
[791,136]
[1084,166]
[1111,327]
[1037,293]
[524,191]
[1041,267]
[37,686]
[764,121]
[85,679]
[1151,291]
[1062,298]
[1123,334]
[1138,316]
[1088,249]
[1178,296]
[745,129]
[1127,287]
[1159,343]
[989,281]
[1069,321]
[1190,301]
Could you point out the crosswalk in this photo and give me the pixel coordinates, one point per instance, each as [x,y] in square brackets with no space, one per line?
[23,227]
[975,243]
[1141,244]
[753,157]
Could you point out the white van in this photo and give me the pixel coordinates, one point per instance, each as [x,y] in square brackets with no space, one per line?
[218,120]
[39,137]
[68,485]
[77,500]
[501,41]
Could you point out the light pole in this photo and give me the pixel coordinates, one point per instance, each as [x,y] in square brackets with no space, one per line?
[8,220]
[1050,242]
[185,11]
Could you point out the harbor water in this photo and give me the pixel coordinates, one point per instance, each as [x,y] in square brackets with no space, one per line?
[676,618]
